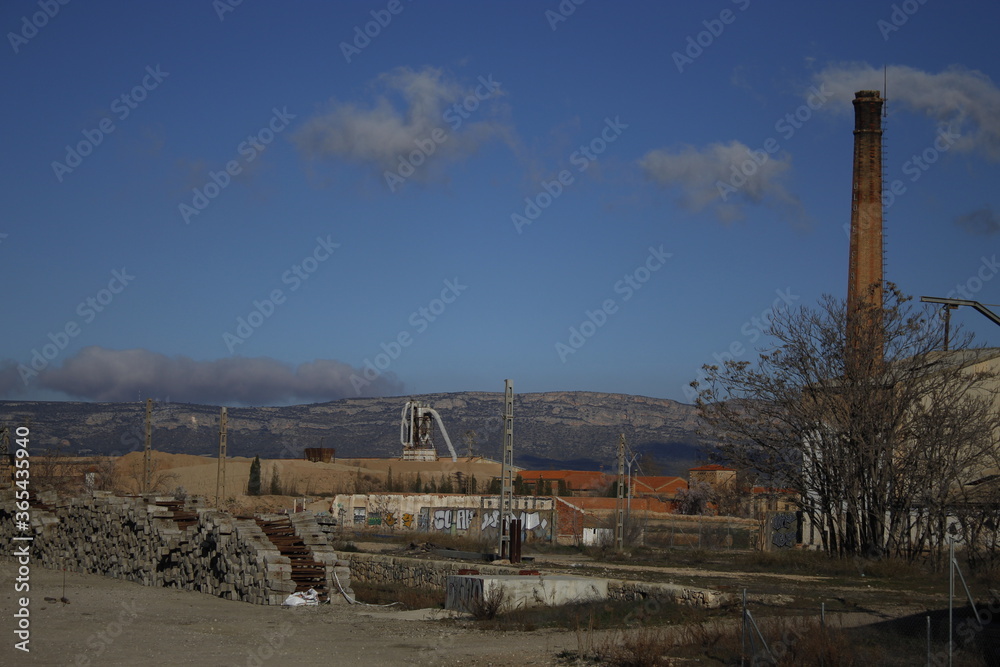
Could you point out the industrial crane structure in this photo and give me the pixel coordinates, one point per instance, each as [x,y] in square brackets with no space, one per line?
[416,433]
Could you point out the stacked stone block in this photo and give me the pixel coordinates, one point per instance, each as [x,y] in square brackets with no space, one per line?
[135,539]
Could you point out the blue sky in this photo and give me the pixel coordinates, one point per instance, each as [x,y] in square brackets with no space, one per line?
[272,203]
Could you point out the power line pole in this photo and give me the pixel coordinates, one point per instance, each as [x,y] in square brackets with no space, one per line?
[147,454]
[507,472]
[220,480]
[6,472]
[619,504]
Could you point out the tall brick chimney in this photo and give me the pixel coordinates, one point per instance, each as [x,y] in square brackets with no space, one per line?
[865,270]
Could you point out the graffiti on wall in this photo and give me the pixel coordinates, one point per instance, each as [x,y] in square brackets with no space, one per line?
[452,520]
[784,526]
[464,593]
[531,522]
[448,519]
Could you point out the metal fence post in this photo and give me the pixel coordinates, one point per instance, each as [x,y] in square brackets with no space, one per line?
[743,644]
[928,640]
[951,597]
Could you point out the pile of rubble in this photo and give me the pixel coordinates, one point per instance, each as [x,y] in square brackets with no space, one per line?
[160,541]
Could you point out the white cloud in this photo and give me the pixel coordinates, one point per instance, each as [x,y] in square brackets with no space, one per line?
[725,178]
[981,222]
[100,374]
[407,108]
[966,100]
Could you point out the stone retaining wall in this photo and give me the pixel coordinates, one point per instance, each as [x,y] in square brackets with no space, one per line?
[135,539]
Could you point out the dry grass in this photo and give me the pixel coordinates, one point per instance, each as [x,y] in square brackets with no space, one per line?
[787,642]
[645,647]
[491,604]
[409,598]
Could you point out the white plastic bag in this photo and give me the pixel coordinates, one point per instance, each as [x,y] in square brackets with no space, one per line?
[298,599]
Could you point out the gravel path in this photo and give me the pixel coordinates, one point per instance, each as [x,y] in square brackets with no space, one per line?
[112,622]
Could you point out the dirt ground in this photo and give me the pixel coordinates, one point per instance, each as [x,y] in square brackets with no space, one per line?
[112,622]
[198,475]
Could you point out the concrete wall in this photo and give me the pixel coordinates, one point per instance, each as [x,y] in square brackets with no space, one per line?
[435,574]
[414,572]
[471,516]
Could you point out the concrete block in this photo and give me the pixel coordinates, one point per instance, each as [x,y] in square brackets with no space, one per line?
[464,592]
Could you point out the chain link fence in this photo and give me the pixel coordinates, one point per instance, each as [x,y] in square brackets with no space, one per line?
[703,533]
[852,638]
[963,632]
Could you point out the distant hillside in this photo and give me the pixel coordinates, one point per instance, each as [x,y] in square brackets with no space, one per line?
[555,429]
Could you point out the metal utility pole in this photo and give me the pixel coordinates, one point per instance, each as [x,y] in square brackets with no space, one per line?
[507,473]
[952,304]
[6,473]
[220,480]
[628,506]
[147,455]
[619,504]
[951,600]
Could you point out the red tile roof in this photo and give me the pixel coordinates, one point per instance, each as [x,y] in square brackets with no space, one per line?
[576,480]
[659,484]
[591,503]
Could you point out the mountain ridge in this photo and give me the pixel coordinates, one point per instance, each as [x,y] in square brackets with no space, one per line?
[549,427]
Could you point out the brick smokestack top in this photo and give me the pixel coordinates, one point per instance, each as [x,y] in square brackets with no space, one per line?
[866,203]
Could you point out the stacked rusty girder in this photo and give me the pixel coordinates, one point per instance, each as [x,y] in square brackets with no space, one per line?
[183,517]
[306,571]
[163,541]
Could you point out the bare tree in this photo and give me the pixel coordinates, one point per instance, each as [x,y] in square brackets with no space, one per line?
[695,499]
[735,498]
[877,431]
[55,470]
[133,475]
[107,476]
